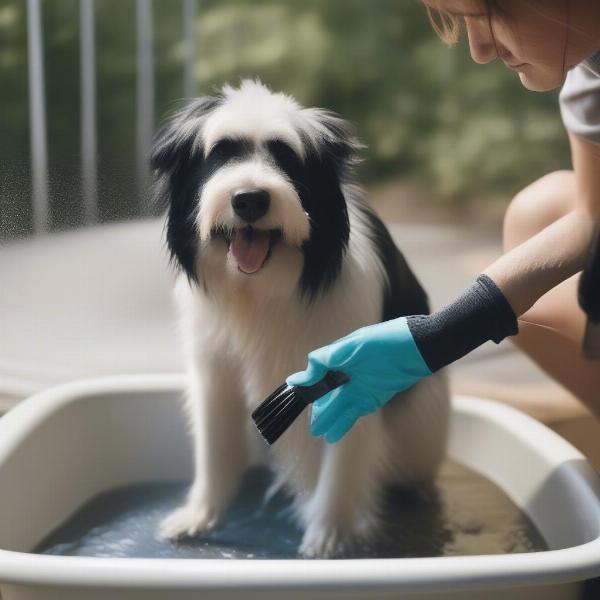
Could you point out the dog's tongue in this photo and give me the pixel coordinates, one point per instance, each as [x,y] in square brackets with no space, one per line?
[249,248]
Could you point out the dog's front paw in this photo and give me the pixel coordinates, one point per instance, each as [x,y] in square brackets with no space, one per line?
[325,541]
[187,521]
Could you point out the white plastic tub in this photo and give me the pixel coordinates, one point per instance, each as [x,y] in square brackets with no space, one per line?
[66,445]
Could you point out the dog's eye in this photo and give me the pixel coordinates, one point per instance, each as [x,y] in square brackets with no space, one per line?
[226,148]
[282,152]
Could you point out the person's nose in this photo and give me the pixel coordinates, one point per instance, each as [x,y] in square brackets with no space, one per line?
[481,41]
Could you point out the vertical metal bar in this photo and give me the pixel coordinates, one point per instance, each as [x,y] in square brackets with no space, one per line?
[37,117]
[89,173]
[189,35]
[145,91]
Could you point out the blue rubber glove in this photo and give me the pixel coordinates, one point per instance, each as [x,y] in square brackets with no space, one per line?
[390,357]
[381,360]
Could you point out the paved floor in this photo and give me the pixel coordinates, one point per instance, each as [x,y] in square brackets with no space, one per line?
[84,303]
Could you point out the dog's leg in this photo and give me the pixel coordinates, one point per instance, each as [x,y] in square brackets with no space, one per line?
[218,418]
[343,510]
[416,422]
[403,444]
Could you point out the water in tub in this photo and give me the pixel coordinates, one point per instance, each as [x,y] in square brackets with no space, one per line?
[464,514]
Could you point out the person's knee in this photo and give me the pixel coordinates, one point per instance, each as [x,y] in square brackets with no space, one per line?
[537,206]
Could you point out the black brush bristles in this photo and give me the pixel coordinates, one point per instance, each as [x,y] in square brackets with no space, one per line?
[283,406]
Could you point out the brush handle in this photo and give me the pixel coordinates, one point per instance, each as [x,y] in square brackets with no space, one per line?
[331,380]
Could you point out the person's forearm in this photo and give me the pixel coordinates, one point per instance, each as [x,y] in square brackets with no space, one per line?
[556,253]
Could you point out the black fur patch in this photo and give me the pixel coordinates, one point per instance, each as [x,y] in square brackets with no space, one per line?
[180,171]
[403,295]
[318,182]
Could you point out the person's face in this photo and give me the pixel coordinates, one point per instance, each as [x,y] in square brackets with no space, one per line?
[531,37]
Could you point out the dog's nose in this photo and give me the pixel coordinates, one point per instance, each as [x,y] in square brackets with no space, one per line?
[251,205]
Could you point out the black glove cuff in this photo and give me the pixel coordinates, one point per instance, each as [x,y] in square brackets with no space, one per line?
[480,314]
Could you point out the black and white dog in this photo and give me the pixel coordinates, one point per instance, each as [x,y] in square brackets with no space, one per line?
[280,254]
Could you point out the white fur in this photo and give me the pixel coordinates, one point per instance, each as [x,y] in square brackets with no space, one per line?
[245,334]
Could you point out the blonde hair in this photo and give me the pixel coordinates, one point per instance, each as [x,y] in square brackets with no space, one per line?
[448,26]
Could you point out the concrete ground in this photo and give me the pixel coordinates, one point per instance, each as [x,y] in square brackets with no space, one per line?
[97,301]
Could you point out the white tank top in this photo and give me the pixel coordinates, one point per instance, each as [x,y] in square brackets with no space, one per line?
[580,99]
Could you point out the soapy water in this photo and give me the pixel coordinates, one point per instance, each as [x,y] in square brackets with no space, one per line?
[465,514]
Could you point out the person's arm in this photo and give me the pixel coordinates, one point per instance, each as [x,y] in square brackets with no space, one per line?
[386,358]
[560,250]
[556,253]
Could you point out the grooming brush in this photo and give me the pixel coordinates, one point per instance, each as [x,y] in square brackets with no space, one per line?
[284,405]
[589,299]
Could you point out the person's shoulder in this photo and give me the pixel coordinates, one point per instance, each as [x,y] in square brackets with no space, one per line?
[580,99]
[592,64]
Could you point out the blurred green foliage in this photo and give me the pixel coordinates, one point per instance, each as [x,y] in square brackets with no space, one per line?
[426,112]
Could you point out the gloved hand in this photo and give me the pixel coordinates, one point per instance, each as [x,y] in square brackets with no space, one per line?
[381,360]
[390,357]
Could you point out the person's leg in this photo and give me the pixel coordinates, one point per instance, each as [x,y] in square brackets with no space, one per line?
[551,332]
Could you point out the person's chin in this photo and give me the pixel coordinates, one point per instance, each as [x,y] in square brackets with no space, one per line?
[540,82]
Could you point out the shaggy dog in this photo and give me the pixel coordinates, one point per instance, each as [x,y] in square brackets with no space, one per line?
[280,254]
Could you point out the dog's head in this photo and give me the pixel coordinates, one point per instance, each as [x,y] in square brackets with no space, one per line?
[254,178]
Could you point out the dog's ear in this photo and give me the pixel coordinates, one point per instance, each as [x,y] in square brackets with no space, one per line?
[337,142]
[333,152]
[178,139]
[176,161]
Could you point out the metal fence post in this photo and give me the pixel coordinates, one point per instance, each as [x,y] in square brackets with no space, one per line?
[89,172]
[37,118]
[189,34]
[144,91]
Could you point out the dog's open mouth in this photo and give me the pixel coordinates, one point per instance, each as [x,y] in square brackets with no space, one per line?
[251,248]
